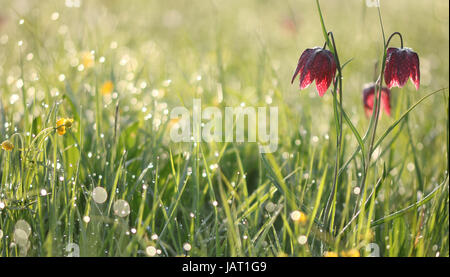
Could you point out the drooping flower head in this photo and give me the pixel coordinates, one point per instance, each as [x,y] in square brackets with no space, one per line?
[316,64]
[369,99]
[401,64]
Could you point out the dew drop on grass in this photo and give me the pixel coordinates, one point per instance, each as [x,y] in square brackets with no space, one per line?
[22,231]
[121,208]
[20,237]
[187,247]
[150,251]
[302,239]
[99,195]
[296,215]
[270,207]
[23,225]
[54,16]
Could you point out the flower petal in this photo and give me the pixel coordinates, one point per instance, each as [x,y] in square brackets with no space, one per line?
[368,93]
[305,56]
[369,99]
[386,100]
[308,73]
[403,68]
[414,68]
[325,68]
[390,74]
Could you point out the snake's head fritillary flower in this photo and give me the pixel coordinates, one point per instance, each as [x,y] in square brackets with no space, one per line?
[7,145]
[62,124]
[401,64]
[316,64]
[369,99]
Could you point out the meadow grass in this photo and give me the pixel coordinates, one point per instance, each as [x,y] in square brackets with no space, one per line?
[118,68]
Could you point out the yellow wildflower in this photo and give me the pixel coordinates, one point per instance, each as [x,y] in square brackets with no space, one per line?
[107,88]
[350,253]
[330,254]
[87,59]
[62,124]
[7,145]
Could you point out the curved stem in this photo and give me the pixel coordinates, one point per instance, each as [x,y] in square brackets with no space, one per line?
[391,36]
[378,89]
[338,82]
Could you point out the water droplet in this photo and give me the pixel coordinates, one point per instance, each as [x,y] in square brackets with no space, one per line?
[55,16]
[121,208]
[23,225]
[150,251]
[302,239]
[99,195]
[187,247]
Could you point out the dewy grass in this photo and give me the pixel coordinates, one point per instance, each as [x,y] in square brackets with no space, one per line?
[112,182]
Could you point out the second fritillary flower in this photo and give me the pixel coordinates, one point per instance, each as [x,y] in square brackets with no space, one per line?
[401,64]
[316,64]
